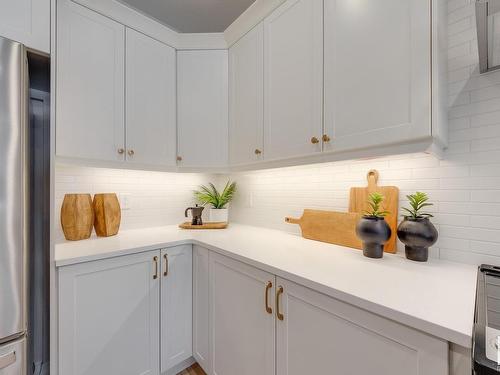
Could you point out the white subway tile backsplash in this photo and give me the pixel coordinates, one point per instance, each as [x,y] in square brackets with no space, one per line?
[464,185]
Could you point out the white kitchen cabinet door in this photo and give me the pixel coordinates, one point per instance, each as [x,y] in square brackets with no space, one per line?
[242,331]
[151,101]
[321,335]
[246,106]
[201,319]
[109,316]
[293,79]
[377,72]
[176,306]
[90,85]
[202,104]
[27,22]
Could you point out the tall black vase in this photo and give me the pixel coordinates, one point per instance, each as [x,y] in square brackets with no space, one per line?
[374,232]
[418,234]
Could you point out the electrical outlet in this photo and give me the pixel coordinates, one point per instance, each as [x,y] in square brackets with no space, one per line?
[124,199]
[250,200]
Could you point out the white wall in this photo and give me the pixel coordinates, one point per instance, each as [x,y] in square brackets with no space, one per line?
[155,198]
[465,185]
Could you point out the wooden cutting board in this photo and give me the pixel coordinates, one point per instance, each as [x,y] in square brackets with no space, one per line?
[359,203]
[329,226]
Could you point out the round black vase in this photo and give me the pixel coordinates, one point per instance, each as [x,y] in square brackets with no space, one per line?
[374,232]
[418,234]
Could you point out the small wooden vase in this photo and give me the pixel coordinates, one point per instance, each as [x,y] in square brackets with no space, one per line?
[77,216]
[107,214]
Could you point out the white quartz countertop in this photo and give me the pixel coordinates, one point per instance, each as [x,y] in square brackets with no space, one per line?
[436,297]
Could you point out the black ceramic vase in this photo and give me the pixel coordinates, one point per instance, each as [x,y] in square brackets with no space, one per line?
[418,234]
[374,232]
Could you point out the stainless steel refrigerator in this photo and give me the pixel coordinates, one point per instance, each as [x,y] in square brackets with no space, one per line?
[13,206]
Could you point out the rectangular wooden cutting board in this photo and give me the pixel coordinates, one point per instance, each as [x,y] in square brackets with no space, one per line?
[358,203]
[329,226]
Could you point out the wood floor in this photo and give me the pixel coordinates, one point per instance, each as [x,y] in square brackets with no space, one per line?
[193,370]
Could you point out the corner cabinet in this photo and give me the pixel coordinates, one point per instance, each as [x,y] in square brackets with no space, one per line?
[26,22]
[109,320]
[201,318]
[202,108]
[176,306]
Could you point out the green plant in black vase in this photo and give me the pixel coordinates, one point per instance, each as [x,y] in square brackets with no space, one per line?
[372,229]
[416,230]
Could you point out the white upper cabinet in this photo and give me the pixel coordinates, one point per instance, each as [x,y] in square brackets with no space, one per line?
[202,102]
[246,106]
[321,335]
[176,306]
[293,79]
[90,85]
[377,72]
[242,320]
[27,22]
[109,319]
[150,101]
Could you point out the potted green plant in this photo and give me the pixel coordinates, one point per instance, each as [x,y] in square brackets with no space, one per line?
[372,229]
[218,200]
[416,230]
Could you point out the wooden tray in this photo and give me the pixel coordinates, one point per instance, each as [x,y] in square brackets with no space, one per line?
[329,226]
[213,225]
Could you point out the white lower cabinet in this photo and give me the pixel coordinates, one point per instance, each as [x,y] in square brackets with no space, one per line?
[321,335]
[176,306]
[242,331]
[201,319]
[150,313]
[109,319]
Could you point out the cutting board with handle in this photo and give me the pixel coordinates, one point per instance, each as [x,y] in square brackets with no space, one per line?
[358,203]
[329,226]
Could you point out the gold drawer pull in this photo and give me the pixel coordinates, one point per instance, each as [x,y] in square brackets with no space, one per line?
[155,260]
[269,285]
[279,315]
[314,140]
[165,272]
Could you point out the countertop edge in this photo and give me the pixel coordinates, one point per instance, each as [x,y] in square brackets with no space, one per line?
[436,330]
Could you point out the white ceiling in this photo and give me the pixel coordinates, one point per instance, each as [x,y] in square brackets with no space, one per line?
[192,16]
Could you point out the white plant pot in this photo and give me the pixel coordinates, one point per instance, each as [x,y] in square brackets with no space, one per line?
[219,214]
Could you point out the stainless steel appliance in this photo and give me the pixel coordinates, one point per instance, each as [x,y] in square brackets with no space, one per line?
[13,207]
[486,338]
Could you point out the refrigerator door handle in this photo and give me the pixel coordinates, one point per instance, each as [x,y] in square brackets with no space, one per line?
[7,359]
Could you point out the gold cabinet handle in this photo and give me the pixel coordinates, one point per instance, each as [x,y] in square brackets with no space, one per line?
[155,260]
[165,272]
[269,285]
[179,158]
[121,151]
[314,140]
[131,152]
[257,151]
[326,138]
[279,292]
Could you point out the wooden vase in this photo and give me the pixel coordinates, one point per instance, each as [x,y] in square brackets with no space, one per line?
[107,214]
[77,216]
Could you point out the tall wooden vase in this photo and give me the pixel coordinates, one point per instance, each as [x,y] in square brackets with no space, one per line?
[107,214]
[77,216]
